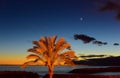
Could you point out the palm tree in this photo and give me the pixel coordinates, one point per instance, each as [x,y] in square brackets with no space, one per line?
[49,52]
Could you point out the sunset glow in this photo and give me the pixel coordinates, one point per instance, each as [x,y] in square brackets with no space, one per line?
[22,22]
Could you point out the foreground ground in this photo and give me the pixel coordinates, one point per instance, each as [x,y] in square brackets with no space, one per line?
[18,74]
[80,76]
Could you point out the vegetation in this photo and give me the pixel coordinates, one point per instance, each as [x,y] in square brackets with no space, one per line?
[49,52]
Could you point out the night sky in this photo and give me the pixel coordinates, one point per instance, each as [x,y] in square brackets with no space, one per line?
[22,21]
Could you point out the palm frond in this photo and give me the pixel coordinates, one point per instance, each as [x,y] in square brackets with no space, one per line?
[59,61]
[63,47]
[60,42]
[60,49]
[43,45]
[32,56]
[27,63]
[36,57]
[58,45]
[53,39]
[50,46]
[69,62]
[69,54]
[42,39]
[35,43]
[31,50]
[66,45]
[40,50]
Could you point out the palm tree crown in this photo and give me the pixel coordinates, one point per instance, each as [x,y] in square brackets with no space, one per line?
[49,52]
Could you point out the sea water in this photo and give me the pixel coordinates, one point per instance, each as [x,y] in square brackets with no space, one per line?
[42,70]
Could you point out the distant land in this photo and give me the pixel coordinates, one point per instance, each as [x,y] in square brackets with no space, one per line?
[107,61]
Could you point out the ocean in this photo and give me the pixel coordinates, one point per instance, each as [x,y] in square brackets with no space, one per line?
[42,70]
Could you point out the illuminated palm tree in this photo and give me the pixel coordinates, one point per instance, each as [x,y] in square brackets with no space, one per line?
[50,53]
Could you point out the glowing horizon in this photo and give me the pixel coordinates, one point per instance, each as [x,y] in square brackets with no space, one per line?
[25,21]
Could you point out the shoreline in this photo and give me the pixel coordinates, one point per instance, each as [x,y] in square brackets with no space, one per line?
[95,70]
[23,74]
[75,73]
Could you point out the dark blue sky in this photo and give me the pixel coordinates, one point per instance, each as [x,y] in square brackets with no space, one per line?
[22,21]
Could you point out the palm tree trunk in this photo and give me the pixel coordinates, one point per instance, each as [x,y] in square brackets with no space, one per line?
[50,69]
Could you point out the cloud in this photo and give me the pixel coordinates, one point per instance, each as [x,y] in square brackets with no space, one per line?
[116,44]
[111,5]
[88,39]
[84,38]
[100,43]
[91,56]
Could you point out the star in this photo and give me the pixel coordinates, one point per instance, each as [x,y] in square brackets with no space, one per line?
[81,19]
